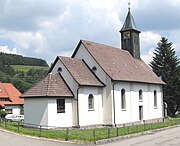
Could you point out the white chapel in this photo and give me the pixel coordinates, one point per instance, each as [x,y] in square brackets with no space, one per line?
[97,85]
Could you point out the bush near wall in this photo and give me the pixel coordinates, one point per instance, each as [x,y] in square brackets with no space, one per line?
[2,114]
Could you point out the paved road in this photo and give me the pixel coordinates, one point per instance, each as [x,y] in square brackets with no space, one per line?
[170,137]
[9,139]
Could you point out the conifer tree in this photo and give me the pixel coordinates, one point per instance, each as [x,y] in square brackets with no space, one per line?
[167,66]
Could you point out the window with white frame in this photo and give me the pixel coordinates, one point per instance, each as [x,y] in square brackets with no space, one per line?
[123,99]
[91,102]
[140,95]
[155,99]
[60,105]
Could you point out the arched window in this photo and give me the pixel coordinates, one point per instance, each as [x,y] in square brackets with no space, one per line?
[123,99]
[140,95]
[91,102]
[155,99]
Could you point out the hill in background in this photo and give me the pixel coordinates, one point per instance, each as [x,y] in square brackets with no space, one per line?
[12,59]
[22,72]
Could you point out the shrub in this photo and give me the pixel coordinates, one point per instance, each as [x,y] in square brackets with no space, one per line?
[3,113]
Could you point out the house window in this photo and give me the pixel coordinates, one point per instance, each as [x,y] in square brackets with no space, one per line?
[60,105]
[123,99]
[4,99]
[140,95]
[91,102]
[155,99]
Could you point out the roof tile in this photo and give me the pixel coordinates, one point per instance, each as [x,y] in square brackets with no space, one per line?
[120,65]
[8,91]
[52,85]
[80,71]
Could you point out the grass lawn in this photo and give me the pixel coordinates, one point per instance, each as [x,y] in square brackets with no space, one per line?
[86,135]
[27,68]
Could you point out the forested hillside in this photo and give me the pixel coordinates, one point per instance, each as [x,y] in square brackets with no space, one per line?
[11,70]
[13,59]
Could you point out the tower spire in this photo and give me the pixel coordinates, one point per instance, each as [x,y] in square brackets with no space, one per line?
[130,36]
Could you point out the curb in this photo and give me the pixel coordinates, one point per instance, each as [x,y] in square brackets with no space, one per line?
[98,142]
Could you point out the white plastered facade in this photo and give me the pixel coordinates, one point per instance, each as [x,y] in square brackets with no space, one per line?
[107,101]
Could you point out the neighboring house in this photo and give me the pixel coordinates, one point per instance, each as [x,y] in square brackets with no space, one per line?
[98,85]
[9,99]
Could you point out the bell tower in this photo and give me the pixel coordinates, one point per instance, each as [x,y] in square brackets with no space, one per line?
[130,36]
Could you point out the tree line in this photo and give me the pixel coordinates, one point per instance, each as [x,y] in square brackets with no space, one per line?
[13,59]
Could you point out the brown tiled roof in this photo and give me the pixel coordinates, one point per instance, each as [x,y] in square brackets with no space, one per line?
[8,91]
[52,85]
[80,71]
[120,65]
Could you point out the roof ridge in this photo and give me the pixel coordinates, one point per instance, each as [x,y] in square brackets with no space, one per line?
[70,58]
[48,86]
[68,70]
[99,44]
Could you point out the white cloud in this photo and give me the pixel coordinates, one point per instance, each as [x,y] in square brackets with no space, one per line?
[147,58]
[45,29]
[149,39]
[148,44]
[174,38]
[27,41]
[5,49]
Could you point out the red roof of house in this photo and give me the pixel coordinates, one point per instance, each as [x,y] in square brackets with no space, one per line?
[11,94]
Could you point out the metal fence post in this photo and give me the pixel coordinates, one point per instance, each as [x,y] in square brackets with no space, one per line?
[163,122]
[40,131]
[18,126]
[5,124]
[151,125]
[117,132]
[108,132]
[144,127]
[94,135]
[67,134]
[159,125]
[137,128]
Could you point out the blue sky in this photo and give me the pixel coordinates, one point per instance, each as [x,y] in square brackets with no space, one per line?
[45,29]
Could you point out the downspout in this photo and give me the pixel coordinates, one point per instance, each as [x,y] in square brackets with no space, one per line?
[78,126]
[163,103]
[114,105]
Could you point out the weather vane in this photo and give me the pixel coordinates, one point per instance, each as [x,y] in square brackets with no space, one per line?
[129,6]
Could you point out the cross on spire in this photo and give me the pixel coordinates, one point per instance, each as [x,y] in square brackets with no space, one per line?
[129,6]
